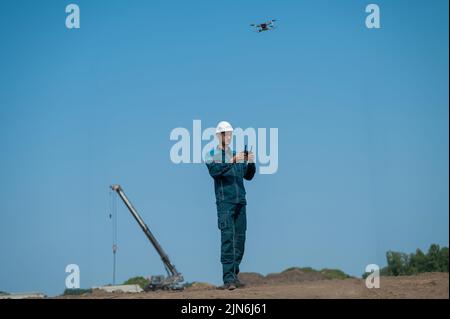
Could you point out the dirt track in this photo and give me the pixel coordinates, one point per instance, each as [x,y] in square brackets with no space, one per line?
[429,285]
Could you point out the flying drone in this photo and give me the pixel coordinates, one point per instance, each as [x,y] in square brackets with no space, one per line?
[265,26]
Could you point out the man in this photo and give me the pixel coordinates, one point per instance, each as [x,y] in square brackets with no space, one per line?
[229,170]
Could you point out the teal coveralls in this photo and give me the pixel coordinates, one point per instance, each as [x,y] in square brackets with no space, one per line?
[231,207]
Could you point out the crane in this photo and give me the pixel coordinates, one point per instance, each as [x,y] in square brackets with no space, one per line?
[174,278]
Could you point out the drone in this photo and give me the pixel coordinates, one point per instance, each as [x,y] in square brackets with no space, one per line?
[265,26]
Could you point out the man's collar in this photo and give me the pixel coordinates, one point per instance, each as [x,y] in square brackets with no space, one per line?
[227,149]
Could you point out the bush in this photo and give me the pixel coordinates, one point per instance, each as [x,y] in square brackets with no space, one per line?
[334,274]
[76,292]
[303,269]
[328,273]
[139,280]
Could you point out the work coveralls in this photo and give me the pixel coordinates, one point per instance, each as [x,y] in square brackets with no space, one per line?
[231,207]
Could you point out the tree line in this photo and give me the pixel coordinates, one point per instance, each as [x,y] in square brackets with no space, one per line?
[402,264]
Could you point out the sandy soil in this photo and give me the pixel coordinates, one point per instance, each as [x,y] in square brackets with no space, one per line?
[429,285]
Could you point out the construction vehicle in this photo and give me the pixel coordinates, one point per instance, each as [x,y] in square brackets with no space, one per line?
[174,278]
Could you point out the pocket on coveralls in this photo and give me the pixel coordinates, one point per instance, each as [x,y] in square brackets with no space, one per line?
[223,220]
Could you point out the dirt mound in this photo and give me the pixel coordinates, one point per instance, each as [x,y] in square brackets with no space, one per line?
[294,275]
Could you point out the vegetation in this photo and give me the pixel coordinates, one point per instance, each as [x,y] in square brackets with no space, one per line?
[76,292]
[328,273]
[401,264]
[139,280]
[334,274]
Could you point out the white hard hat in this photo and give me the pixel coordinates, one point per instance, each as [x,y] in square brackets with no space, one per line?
[224,126]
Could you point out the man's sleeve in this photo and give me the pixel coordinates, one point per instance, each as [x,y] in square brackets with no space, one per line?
[218,169]
[250,171]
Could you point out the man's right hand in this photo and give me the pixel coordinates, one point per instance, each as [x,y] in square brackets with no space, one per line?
[239,157]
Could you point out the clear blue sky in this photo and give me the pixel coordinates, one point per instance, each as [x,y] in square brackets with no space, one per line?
[362,118]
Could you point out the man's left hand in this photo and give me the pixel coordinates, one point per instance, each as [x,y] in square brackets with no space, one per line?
[251,157]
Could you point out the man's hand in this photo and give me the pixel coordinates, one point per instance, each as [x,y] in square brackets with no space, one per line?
[251,157]
[239,157]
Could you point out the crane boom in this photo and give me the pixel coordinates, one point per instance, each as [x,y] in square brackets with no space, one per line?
[174,277]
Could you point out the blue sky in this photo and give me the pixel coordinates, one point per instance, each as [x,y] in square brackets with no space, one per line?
[362,118]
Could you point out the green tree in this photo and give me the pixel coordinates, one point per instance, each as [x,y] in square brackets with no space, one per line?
[418,262]
[433,257]
[397,263]
[435,260]
[443,259]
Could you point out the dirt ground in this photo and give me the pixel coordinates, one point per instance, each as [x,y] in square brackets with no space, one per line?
[428,285]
